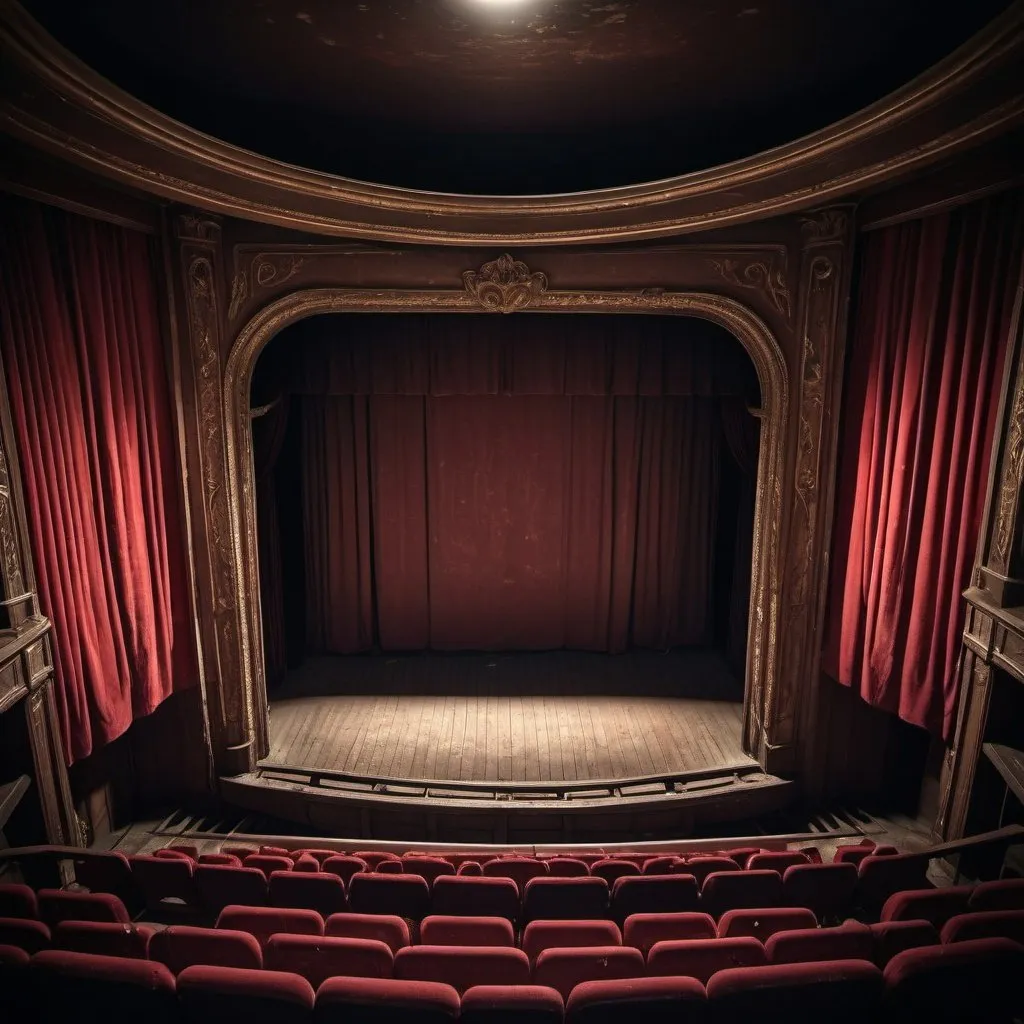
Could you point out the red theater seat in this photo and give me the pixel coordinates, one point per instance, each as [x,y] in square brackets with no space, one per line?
[262,922]
[406,896]
[853,854]
[319,957]
[649,894]
[77,986]
[1006,894]
[541,935]
[761,924]
[701,867]
[879,877]
[977,980]
[827,889]
[385,1001]
[103,937]
[935,905]
[664,866]
[18,901]
[651,1000]
[56,905]
[172,853]
[105,871]
[564,969]
[644,930]
[344,867]
[209,994]
[441,930]
[465,896]
[374,858]
[847,991]
[181,946]
[740,854]
[470,867]
[511,1004]
[12,956]
[567,867]
[26,934]
[740,890]
[165,878]
[390,867]
[462,967]
[184,849]
[276,851]
[220,886]
[701,958]
[985,924]
[519,869]
[850,941]
[612,869]
[318,855]
[241,852]
[220,858]
[267,863]
[776,860]
[386,928]
[565,899]
[892,937]
[323,892]
[429,868]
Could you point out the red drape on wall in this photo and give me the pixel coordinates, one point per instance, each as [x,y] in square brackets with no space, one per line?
[923,384]
[89,396]
[492,485]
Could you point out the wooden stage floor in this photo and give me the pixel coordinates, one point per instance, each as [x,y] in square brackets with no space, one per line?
[557,716]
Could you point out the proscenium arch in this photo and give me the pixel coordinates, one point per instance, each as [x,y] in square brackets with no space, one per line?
[745,325]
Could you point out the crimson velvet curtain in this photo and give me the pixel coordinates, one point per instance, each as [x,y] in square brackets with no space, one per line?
[512,483]
[926,359]
[88,388]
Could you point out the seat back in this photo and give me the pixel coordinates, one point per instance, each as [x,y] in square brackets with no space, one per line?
[644,930]
[563,969]
[56,905]
[844,991]
[429,868]
[652,1000]
[511,1004]
[220,886]
[181,946]
[775,860]
[985,924]
[386,928]
[469,896]
[165,878]
[567,899]
[519,869]
[879,877]
[703,958]
[444,930]
[317,958]
[344,867]
[701,867]
[103,937]
[406,896]
[761,924]
[262,922]
[613,868]
[850,941]
[827,889]
[650,894]
[66,982]
[221,858]
[892,937]
[1005,894]
[268,863]
[323,892]
[462,967]
[256,997]
[385,1001]
[739,890]
[567,867]
[935,905]
[18,900]
[374,858]
[31,936]
[541,935]
[105,871]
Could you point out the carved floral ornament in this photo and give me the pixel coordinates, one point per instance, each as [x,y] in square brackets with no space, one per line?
[505,284]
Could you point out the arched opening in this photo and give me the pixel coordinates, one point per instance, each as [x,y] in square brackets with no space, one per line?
[525,542]
[772,380]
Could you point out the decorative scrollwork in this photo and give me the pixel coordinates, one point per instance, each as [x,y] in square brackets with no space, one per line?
[271,269]
[770,278]
[192,227]
[505,284]
[825,225]
[239,293]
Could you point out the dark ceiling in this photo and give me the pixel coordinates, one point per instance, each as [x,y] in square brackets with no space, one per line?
[510,96]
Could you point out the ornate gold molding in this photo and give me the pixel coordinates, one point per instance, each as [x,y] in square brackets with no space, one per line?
[768,277]
[14,582]
[1010,484]
[968,97]
[769,558]
[266,270]
[505,284]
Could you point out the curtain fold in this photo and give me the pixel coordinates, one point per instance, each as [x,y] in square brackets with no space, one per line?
[81,344]
[923,383]
[490,506]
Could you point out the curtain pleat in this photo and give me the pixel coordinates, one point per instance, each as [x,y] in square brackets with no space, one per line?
[926,360]
[90,401]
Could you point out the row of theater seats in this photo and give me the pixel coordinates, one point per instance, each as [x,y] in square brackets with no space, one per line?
[974,980]
[519,888]
[467,951]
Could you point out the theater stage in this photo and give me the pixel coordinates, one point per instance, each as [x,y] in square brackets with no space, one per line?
[516,717]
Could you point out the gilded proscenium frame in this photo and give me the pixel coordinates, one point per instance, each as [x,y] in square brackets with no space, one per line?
[762,690]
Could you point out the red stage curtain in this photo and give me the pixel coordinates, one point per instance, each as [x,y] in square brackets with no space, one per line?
[92,414]
[923,383]
[487,506]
